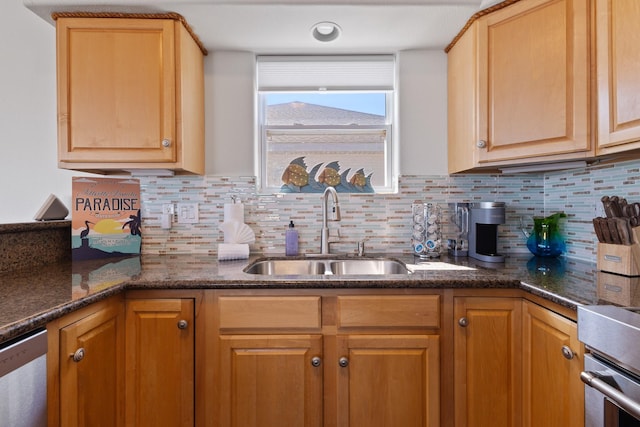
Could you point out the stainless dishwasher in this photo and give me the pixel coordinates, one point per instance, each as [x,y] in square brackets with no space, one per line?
[23,381]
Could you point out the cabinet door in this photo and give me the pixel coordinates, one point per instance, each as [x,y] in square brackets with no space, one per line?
[388,380]
[553,392]
[534,80]
[160,362]
[487,361]
[617,56]
[116,90]
[271,380]
[92,382]
[462,102]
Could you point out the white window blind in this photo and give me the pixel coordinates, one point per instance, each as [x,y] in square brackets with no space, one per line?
[312,73]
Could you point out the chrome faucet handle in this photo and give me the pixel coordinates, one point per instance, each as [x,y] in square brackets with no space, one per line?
[361,248]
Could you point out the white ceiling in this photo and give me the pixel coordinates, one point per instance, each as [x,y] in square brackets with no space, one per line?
[284,26]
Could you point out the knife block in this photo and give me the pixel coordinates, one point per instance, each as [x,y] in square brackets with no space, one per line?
[620,259]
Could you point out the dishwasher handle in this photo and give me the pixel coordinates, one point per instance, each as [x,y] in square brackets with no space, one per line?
[22,350]
[593,380]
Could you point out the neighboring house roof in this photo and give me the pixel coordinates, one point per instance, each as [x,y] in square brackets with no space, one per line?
[293,113]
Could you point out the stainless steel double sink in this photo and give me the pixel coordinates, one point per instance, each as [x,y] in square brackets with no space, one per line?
[327,266]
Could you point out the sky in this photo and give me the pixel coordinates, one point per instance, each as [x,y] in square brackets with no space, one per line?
[372,103]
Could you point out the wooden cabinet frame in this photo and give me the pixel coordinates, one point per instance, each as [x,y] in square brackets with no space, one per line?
[520,87]
[380,339]
[130,95]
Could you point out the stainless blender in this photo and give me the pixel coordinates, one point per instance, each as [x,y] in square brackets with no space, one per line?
[459,246]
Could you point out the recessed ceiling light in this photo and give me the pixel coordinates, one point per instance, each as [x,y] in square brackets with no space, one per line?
[325,31]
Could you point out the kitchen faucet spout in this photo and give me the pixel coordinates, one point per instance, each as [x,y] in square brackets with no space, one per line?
[335,211]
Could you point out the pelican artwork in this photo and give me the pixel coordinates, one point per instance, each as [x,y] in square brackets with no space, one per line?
[84,233]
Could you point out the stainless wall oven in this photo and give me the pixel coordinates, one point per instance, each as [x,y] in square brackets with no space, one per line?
[611,374]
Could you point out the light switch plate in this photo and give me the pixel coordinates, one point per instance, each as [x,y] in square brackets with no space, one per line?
[188,213]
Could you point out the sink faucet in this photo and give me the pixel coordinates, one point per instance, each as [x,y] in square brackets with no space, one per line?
[335,216]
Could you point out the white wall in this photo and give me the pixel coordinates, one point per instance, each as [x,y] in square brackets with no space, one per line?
[422,113]
[28,167]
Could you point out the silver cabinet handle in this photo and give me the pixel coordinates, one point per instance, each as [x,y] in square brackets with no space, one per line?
[343,362]
[463,321]
[481,143]
[619,398]
[78,355]
[182,324]
[567,352]
[316,361]
[166,143]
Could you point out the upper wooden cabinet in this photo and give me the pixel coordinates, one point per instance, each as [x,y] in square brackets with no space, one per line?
[130,95]
[618,80]
[519,86]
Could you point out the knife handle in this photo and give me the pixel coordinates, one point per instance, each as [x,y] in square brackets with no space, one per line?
[624,231]
[613,231]
[598,229]
[604,229]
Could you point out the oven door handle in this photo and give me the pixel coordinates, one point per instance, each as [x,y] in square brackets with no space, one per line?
[619,398]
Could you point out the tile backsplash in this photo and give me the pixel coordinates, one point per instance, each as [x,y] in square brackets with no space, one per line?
[383,221]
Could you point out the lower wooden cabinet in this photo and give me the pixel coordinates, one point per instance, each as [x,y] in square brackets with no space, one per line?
[330,360]
[553,359]
[271,380]
[160,360]
[388,380]
[487,361]
[85,365]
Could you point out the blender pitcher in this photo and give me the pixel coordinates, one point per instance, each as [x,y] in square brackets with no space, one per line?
[459,246]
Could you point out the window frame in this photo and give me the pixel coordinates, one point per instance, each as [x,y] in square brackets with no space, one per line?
[390,148]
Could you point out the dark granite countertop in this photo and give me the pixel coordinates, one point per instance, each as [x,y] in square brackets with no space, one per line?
[32,297]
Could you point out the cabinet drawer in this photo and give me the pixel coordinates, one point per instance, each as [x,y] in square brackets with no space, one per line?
[282,312]
[389,311]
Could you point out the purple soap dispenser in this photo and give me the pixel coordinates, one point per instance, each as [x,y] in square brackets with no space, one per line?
[291,240]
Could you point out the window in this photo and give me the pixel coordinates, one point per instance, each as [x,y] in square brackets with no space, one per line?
[326,121]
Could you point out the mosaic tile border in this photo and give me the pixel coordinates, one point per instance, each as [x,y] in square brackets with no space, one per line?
[383,220]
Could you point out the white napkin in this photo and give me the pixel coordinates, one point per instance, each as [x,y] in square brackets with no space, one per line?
[237,232]
[229,251]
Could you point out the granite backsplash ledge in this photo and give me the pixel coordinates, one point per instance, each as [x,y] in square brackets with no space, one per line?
[32,244]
